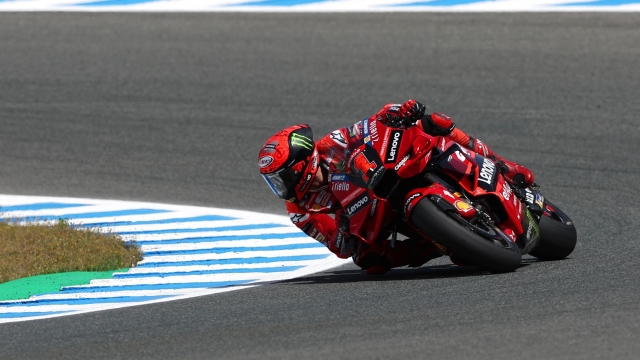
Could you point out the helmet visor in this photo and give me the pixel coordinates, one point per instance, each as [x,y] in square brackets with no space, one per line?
[283,182]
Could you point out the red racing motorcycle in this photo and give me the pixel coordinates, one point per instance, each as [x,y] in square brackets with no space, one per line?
[432,189]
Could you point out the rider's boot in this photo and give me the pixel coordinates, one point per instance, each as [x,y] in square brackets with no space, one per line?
[514,173]
[405,253]
[420,252]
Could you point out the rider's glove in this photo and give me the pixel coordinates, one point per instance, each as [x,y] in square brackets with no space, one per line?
[411,111]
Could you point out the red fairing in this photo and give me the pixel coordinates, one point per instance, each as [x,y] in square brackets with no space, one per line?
[387,113]
[478,176]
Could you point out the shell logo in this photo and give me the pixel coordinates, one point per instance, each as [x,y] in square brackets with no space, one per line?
[462,206]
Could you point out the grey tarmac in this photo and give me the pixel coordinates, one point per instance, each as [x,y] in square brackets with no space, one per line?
[174,107]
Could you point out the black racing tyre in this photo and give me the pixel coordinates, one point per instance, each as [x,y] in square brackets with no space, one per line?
[558,236]
[464,243]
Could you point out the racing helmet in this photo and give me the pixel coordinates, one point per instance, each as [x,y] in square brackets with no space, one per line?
[288,162]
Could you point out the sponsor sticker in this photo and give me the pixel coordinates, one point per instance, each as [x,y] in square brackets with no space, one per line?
[392,151]
[402,162]
[353,195]
[407,204]
[298,218]
[373,131]
[265,161]
[462,206]
[302,141]
[339,177]
[385,142]
[506,192]
[307,182]
[374,205]
[340,186]
[487,174]
[357,204]
[529,197]
[365,132]
[374,178]
[337,137]
[539,200]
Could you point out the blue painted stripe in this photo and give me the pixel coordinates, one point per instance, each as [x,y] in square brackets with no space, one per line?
[163,221]
[213,284]
[603,3]
[222,250]
[195,240]
[255,260]
[119,299]
[279,3]
[29,314]
[226,228]
[207,272]
[100,214]
[115,2]
[443,2]
[39,206]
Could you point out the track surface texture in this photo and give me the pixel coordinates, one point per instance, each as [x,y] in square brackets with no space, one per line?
[174,108]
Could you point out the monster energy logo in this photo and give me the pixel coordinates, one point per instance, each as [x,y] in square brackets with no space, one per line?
[533,230]
[301,140]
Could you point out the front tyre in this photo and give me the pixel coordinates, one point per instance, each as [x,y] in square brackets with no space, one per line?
[558,235]
[466,244]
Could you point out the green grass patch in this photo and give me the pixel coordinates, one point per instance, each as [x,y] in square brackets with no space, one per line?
[51,283]
[38,249]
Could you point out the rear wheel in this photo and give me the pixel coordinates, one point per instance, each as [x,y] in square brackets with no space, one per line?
[464,240]
[558,235]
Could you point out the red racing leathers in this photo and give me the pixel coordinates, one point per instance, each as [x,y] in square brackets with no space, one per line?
[312,213]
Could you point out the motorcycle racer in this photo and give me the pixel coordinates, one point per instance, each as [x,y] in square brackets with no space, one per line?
[298,169]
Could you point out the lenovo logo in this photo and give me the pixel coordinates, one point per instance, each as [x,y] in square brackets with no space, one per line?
[392,152]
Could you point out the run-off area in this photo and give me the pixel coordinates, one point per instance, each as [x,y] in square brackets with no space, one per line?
[188,251]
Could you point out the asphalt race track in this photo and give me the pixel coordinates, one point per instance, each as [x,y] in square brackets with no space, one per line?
[173,108]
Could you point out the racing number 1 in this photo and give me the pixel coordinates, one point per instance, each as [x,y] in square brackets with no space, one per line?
[362,164]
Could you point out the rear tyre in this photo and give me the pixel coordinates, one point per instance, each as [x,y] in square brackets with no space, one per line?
[463,242]
[558,236]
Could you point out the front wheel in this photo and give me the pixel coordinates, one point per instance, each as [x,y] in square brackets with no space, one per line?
[558,235]
[463,241]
